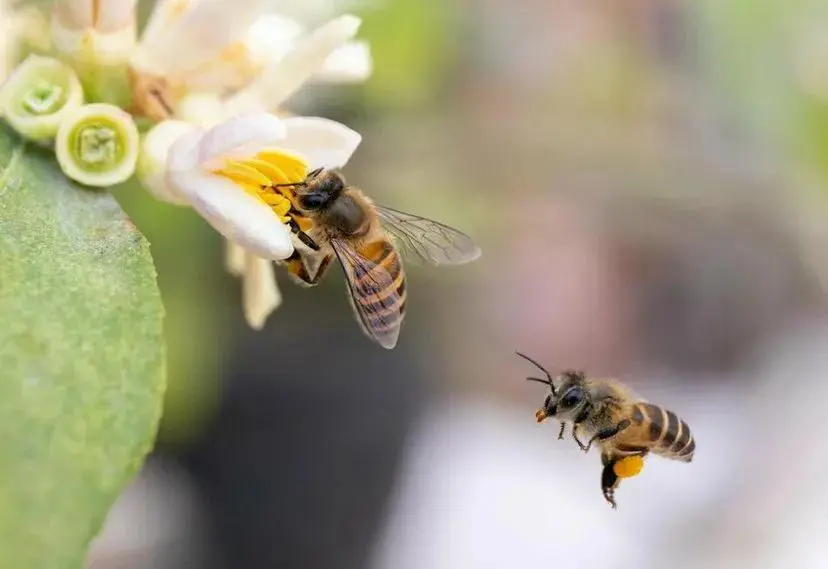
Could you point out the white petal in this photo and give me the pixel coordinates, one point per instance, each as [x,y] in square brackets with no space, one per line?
[319,10]
[94,45]
[234,258]
[351,63]
[272,36]
[204,109]
[152,164]
[114,14]
[285,76]
[242,135]
[182,34]
[235,214]
[74,14]
[183,153]
[260,293]
[106,16]
[326,143]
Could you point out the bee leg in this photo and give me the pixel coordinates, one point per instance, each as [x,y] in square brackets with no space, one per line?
[609,482]
[608,433]
[575,436]
[303,237]
[561,432]
[298,269]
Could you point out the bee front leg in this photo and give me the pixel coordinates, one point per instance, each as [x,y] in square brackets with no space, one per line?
[561,432]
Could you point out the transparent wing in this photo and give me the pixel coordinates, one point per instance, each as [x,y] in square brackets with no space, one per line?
[377,306]
[428,240]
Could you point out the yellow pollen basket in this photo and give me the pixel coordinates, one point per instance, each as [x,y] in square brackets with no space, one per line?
[628,466]
[256,175]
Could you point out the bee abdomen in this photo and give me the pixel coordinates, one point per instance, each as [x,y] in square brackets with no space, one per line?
[668,434]
[384,310]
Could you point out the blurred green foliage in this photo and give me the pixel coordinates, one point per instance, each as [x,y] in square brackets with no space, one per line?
[188,260]
[764,56]
[413,43]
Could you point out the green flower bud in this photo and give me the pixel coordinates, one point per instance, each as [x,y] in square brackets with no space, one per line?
[38,96]
[97,145]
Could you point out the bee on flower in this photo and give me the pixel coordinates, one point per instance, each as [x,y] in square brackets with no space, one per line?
[206,80]
[270,186]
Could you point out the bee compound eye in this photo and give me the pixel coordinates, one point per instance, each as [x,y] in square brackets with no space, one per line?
[572,397]
[312,201]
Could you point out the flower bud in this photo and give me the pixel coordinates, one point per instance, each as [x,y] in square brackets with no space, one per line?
[38,96]
[97,37]
[97,145]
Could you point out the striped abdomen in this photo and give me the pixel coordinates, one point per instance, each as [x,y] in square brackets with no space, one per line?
[377,284]
[668,435]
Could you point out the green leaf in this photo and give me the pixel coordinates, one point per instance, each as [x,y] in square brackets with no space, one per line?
[81,359]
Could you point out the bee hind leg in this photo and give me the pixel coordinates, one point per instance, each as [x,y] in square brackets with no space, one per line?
[297,268]
[609,482]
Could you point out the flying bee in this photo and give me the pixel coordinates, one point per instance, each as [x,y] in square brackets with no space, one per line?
[626,427]
[331,219]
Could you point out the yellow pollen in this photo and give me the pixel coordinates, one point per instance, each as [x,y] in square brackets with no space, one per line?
[628,466]
[257,175]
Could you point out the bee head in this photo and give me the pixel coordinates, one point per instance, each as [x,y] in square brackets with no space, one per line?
[567,394]
[571,395]
[319,190]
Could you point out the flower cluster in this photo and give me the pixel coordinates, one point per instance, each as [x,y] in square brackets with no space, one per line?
[192,106]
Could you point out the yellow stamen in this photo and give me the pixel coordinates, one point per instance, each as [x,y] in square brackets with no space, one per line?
[257,176]
[628,466]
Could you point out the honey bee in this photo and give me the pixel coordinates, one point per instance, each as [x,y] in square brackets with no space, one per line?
[625,426]
[330,218]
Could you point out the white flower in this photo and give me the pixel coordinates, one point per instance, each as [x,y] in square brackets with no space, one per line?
[225,173]
[273,36]
[222,46]
[188,38]
[103,16]
[152,161]
[97,37]
[287,74]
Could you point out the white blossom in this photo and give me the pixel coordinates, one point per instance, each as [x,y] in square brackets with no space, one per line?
[225,173]
[97,37]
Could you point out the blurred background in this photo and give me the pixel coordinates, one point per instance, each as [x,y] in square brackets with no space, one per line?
[647,181]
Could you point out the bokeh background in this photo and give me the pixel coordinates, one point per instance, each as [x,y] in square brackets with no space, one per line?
[647,180]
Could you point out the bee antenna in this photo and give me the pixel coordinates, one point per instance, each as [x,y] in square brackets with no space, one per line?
[547,381]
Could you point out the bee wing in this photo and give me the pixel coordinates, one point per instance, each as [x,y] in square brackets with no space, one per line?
[428,240]
[374,297]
